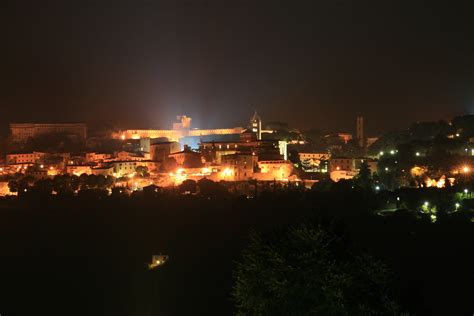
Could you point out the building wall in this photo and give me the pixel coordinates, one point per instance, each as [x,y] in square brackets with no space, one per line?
[174,134]
[33,157]
[182,156]
[128,156]
[274,170]
[265,150]
[338,175]
[123,168]
[341,164]
[314,156]
[96,157]
[159,151]
[217,131]
[103,171]
[78,169]
[241,166]
[21,132]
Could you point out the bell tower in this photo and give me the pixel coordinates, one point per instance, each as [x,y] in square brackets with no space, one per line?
[256,125]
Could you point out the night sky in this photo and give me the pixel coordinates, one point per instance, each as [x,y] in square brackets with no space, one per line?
[314,64]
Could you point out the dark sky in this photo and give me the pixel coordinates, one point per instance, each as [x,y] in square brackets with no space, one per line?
[314,64]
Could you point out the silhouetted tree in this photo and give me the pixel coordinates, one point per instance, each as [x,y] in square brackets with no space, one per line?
[188,186]
[307,271]
[209,188]
[142,171]
[364,178]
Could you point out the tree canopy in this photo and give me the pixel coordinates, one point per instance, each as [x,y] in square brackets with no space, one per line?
[306,270]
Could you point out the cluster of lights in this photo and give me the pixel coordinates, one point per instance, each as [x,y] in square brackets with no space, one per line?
[227,172]
[179,176]
[392,152]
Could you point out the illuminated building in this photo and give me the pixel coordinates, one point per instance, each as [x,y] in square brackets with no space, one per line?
[5,189]
[338,138]
[274,170]
[283,147]
[186,157]
[263,149]
[160,151]
[129,156]
[242,165]
[338,175]
[314,158]
[123,168]
[20,158]
[370,141]
[103,171]
[21,132]
[173,135]
[342,168]
[348,168]
[78,169]
[180,129]
[342,164]
[97,157]
[184,123]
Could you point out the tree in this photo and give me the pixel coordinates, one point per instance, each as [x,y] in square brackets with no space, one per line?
[211,189]
[142,171]
[44,186]
[306,270]
[364,178]
[188,185]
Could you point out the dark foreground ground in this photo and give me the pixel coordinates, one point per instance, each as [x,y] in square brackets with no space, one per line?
[88,257]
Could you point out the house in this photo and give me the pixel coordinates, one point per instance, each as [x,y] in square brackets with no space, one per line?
[241,165]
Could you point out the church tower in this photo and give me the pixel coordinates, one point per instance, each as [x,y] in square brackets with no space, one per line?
[360,131]
[256,125]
